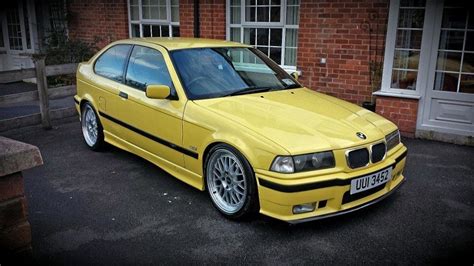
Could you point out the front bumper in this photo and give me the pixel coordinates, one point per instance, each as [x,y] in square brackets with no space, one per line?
[330,192]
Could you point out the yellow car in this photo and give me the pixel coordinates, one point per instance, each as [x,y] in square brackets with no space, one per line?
[223,118]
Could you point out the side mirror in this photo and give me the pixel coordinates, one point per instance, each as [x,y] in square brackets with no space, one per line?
[158,91]
[295,75]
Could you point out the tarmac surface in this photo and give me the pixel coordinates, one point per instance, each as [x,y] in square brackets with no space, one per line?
[108,207]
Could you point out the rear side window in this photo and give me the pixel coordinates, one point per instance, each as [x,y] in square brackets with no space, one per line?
[111,63]
[147,67]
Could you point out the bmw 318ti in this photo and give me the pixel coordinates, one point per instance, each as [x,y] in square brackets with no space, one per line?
[224,118]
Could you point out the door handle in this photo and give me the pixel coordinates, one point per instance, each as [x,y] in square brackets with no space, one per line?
[123,95]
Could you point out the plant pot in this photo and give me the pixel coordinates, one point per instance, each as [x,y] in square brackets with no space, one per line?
[369,106]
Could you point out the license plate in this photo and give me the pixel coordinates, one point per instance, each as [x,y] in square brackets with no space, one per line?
[370,181]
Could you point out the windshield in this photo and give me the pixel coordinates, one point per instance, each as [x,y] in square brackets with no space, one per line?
[218,72]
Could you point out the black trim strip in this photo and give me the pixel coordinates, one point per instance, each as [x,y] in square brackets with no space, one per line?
[173,146]
[322,184]
[77,101]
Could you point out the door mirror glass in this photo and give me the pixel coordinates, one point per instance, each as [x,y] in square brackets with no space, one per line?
[158,91]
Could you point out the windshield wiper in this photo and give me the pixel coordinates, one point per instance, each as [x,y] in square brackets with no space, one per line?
[247,91]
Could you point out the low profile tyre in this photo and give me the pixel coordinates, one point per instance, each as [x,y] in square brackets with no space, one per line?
[92,130]
[231,183]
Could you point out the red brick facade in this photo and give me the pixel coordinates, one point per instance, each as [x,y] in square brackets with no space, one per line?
[345,33]
[402,112]
[186,18]
[98,22]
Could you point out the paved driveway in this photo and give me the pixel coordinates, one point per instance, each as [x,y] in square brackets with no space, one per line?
[113,207]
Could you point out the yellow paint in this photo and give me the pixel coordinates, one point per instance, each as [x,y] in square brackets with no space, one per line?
[261,126]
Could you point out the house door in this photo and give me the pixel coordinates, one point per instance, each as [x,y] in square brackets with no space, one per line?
[448,105]
[17,33]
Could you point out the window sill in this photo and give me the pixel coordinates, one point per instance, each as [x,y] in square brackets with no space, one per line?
[396,95]
[292,70]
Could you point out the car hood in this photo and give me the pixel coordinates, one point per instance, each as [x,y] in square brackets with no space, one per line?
[301,120]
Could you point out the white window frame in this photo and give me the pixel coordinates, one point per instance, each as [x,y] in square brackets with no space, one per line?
[264,25]
[29,8]
[392,26]
[159,22]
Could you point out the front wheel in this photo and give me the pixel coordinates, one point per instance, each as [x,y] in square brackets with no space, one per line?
[231,183]
[91,128]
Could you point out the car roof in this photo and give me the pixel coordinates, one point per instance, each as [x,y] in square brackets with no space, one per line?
[176,43]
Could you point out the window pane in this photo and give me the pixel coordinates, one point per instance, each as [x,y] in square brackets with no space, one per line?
[262,36]
[134,11]
[249,36]
[293,2]
[451,40]
[235,34]
[411,18]
[250,13]
[412,3]
[454,18]
[409,39]
[175,13]
[111,63]
[146,12]
[290,57]
[135,30]
[165,31]
[262,14]
[275,14]
[468,63]
[402,79]
[147,67]
[291,38]
[449,61]
[469,41]
[467,84]
[146,30]
[175,31]
[446,81]
[275,37]
[292,15]
[14,29]
[155,31]
[235,15]
[406,59]
[275,55]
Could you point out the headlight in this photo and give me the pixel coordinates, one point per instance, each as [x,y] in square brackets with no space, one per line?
[301,163]
[392,139]
[283,164]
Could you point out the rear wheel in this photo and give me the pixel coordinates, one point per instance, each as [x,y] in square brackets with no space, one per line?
[92,130]
[231,183]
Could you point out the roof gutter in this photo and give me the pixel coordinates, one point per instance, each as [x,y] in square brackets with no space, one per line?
[196,19]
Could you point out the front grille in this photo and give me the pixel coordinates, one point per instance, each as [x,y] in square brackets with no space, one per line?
[348,197]
[358,158]
[378,152]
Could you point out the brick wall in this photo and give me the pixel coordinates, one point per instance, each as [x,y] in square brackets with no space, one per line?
[186,18]
[402,112]
[349,33]
[98,22]
[212,19]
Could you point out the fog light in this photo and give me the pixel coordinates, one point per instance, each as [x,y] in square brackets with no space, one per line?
[302,208]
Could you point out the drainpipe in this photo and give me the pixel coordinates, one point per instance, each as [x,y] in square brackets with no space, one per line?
[196,19]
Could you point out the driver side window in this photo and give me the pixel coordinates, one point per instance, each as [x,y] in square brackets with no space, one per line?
[147,67]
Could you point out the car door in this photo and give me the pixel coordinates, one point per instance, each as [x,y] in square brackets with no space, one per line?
[154,125]
[109,69]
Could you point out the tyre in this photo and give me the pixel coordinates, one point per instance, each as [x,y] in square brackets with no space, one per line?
[92,130]
[230,183]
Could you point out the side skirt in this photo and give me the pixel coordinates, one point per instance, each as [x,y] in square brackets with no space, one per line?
[177,171]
